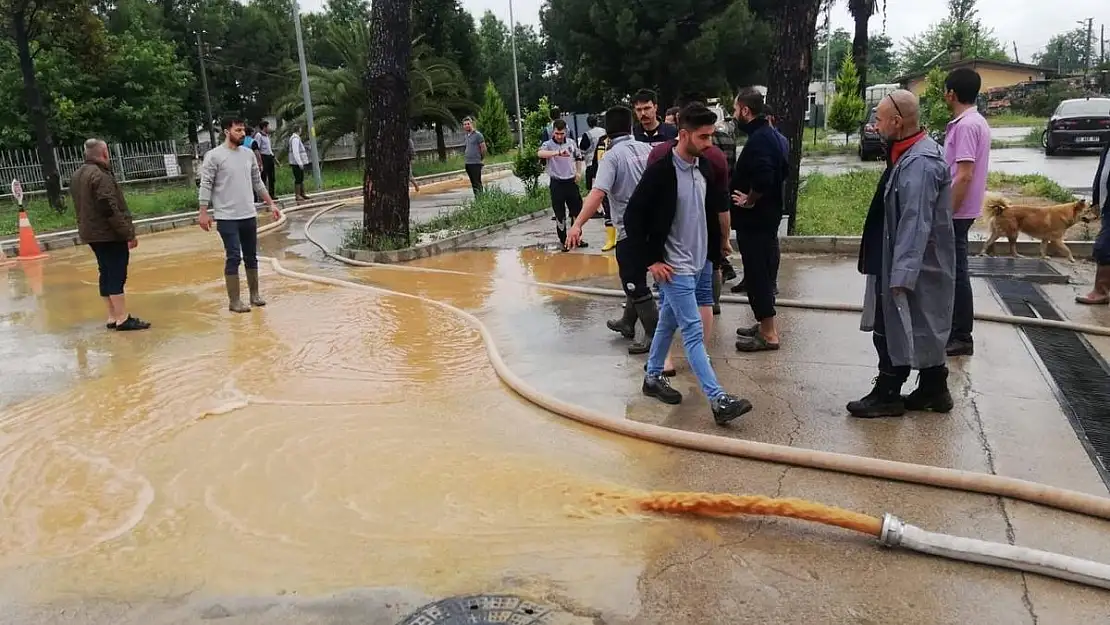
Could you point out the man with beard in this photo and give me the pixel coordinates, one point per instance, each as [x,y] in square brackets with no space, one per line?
[229,176]
[673,229]
[650,129]
[564,170]
[908,253]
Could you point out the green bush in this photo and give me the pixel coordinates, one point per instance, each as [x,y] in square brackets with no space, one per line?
[934,111]
[493,122]
[848,108]
[527,166]
[491,207]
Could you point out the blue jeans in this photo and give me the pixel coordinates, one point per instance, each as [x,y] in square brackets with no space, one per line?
[240,237]
[678,310]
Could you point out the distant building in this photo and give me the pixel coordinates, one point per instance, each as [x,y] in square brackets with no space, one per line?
[994,73]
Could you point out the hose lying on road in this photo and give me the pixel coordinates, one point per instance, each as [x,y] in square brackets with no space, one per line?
[954,479]
[1082,328]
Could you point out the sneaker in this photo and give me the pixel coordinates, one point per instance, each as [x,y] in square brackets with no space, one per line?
[957,348]
[131,324]
[658,387]
[727,408]
[740,287]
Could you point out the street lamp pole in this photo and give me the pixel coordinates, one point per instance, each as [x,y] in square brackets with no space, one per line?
[204,84]
[516,80]
[317,178]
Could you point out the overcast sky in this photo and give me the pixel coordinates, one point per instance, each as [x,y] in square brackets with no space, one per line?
[1029,23]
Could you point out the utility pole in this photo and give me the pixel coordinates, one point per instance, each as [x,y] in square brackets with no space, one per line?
[317,178]
[204,85]
[516,80]
[1087,60]
[1102,42]
[828,63]
[1017,57]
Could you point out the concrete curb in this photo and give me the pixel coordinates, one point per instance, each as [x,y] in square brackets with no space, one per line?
[851,245]
[70,238]
[436,247]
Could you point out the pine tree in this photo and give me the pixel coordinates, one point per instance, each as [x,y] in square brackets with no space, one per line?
[493,122]
[848,108]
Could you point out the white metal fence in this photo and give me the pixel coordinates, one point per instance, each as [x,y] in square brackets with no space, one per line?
[345,147]
[130,161]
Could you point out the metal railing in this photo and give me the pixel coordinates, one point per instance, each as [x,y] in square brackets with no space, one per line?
[345,147]
[130,161]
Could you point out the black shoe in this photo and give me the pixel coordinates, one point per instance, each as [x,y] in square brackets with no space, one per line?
[748,332]
[740,287]
[659,388]
[885,400]
[583,244]
[622,328]
[957,348]
[131,324]
[931,394]
[728,274]
[727,409]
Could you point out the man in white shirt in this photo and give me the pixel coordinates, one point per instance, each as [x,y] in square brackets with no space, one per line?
[298,161]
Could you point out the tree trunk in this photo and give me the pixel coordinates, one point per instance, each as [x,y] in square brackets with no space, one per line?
[36,110]
[441,143]
[385,192]
[859,47]
[794,24]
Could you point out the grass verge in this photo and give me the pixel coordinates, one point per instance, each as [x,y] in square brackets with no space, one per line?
[1009,120]
[492,207]
[837,205]
[181,198]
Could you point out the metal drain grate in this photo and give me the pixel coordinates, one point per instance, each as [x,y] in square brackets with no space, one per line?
[1081,376]
[1027,269]
[482,610]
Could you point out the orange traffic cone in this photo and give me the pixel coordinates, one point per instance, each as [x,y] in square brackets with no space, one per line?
[28,245]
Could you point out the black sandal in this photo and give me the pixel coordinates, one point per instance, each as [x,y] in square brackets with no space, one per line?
[132,323]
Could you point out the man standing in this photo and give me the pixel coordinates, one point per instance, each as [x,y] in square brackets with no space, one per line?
[298,161]
[588,145]
[564,170]
[474,154]
[908,253]
[673,229]
[266,151]
[967,150]
[617,176]
[227,177]
[412,157]
[104,222]
[757,196]
[1100,199]
[650,129]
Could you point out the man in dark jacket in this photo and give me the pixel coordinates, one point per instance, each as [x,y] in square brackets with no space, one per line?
[1100,199]
[673,230]
[757,197]
[104,222]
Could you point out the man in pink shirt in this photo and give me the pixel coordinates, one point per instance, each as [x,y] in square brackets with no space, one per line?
[967,149]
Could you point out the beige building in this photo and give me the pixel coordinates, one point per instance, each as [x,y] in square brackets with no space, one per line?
[994,74]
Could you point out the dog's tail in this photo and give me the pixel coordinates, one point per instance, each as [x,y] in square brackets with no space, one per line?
[995,204]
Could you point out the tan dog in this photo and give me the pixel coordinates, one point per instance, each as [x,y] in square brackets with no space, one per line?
[1047,223]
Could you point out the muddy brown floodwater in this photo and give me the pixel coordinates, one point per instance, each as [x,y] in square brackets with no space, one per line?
[332,440]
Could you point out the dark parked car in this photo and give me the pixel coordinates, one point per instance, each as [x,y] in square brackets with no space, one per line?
[1078,124]
[870,142]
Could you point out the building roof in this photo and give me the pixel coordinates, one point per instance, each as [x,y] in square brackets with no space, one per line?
[977,62]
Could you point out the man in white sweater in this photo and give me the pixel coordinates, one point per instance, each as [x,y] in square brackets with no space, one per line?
[298,162]
[229,178]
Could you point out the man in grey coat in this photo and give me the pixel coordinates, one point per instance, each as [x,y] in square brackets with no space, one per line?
[908,254]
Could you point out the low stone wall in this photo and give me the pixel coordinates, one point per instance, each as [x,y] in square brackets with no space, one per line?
[436,247]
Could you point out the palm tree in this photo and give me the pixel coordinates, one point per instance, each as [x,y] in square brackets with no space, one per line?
[861,11]
[340,96]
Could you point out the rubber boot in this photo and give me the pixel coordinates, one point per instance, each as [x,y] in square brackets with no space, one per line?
[561,231]
[610,238]
[235,304]
[1100,295]
[717,284]
[252,286]
[626,325]
[884,400]
[648,312]
[931,394]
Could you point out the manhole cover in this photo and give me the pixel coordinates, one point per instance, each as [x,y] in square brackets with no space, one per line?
[482,610]
[1024,269]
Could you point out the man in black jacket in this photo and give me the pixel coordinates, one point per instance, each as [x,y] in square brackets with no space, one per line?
[757,190]
[673,229]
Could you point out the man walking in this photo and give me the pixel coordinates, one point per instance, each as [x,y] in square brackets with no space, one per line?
[757,197]
[474,154]
[298,161]
[650,129]
[1100,199]
[617,176]
[104,222]
[266,150]
[908,253]
[673,229]
[564,170]
[227,177]
[967,150]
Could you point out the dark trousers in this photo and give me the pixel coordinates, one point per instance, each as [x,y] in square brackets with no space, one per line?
[474,172]
[633,274]
[878,337]
[759,251]
[112,258]
[1101,251]
[963,311]
[591,173]
[269,173]
[240,237]
[298,174]
[565,200]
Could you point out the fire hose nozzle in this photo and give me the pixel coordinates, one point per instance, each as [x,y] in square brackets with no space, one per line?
[893,528]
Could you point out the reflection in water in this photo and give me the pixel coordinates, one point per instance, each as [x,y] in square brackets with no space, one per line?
[333,439]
